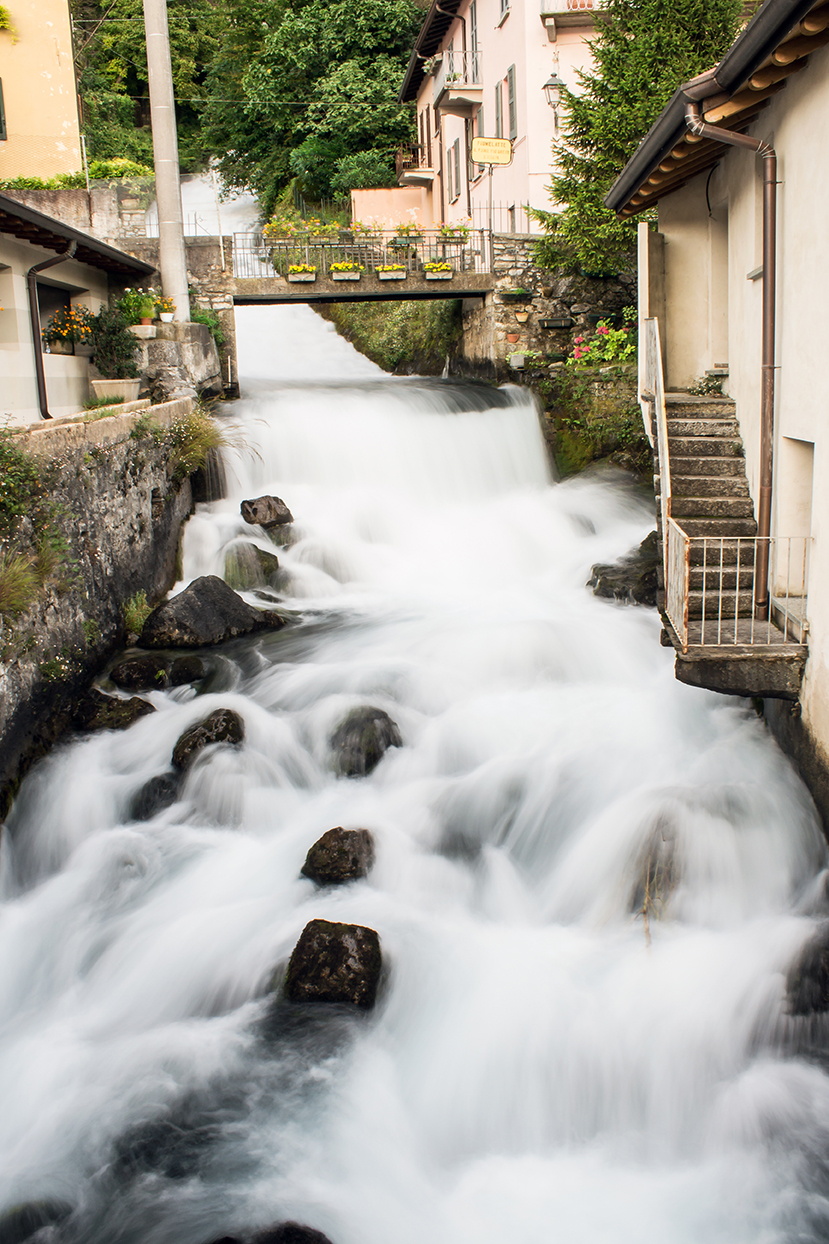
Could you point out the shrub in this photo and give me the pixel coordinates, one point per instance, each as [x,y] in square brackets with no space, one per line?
[191,439]
[113,345]
[20,485]
[208,317]
[135,611]
[116,168]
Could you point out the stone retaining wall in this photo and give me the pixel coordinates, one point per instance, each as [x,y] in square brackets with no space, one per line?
[122,513]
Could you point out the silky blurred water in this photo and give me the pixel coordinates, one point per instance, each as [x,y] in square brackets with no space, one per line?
[590,880]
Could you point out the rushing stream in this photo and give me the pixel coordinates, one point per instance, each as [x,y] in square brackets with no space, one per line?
[590,880]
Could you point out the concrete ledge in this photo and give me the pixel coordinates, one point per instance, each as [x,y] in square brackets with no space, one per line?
[275,289]
[767,673]
[76,431]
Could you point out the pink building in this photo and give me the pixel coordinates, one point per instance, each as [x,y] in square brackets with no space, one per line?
[480,67]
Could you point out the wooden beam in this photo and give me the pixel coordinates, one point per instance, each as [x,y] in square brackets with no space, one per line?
[775,73]
[739,102]
[795,48]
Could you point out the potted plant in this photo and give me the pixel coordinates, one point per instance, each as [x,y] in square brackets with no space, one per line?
[114,351]
[302,272]
[137,307]
[68,329]
[165,309]
[407,234]
[391,272]
[456,231]
[346,270]
[438,270]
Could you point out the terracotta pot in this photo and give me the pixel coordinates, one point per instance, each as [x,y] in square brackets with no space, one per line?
[146,319]
[512,336]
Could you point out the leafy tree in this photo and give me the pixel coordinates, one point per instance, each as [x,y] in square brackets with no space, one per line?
[112,63]
[300,86]
[642,50]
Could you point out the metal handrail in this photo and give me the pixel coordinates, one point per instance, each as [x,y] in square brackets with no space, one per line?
[464,249]
[655,386]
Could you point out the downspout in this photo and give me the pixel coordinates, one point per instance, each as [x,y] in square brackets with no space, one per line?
[34,316]
[713,132]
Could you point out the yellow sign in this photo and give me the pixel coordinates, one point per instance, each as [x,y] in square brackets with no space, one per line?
[491,151]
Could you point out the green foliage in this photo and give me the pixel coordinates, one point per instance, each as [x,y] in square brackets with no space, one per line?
[595,419]
[20,483]
[319,81]
[607,344]
[117,169]
[210,318]
[191,439]
[18,585]
[362,170]
[135,611]
[643,49]
[5,18]
[63,181]
[146,425]
[707,386]
[113,345]
[96,403]
[405,337]
[112,63]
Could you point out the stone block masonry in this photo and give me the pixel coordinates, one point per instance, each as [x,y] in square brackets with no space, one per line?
[492,329]
[120,509]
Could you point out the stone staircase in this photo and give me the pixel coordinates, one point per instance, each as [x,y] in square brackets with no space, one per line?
[710,497]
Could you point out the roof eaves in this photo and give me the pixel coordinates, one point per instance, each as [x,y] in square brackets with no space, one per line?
[51,231]
[432,33]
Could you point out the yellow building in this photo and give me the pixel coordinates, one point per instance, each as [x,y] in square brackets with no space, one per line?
[39,131]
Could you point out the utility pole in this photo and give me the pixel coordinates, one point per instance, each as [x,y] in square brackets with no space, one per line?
[172,259]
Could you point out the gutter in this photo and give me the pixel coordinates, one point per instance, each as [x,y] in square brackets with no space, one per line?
[34,317]
[713,132]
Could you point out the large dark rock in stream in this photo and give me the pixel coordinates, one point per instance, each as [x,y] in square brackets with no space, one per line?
[266,512]
[285,1233]
[335,963]
[207,612]
[807,983]
[96,711]
[148,671]
[32,1220]
[361,741]
[154,796]
[222,726]
[340,855]
[631,578]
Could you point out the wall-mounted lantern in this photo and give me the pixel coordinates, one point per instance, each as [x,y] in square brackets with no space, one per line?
[552,89]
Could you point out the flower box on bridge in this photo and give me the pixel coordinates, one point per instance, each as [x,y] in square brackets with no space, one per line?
[393,276]
[345,276]
[440,276]
[295,277]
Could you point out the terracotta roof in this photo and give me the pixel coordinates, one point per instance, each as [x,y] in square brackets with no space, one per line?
[432,33]
[775,44]
[53,235]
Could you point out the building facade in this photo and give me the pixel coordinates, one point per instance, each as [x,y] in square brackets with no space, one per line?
[480,68]
[39,128]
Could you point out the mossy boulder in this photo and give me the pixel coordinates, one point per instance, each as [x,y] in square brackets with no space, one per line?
[247,566]
[205,613]
[222,726]
[97,711]
[145,672]
[334,962]
[362,739]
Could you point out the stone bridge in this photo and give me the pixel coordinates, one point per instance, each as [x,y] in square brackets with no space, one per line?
[371,287]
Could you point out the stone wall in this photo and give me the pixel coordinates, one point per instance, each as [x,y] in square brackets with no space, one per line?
[513,319]
[180,361]
[210,270]
[123,509]
[109,211]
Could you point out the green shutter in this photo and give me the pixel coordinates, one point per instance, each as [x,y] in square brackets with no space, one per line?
[513,112]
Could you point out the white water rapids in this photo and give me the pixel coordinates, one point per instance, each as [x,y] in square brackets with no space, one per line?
[540,1066]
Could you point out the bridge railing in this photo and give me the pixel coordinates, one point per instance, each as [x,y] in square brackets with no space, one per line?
[463,249]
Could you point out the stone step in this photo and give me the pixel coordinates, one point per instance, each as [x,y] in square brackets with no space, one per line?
[707,485]
[712,507]
[710,575]
[703,446]
[702,427]
[731,603]
[718,527]
[709,464]
[712,407]
[709,553]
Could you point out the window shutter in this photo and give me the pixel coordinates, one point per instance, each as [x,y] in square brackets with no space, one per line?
[479,130]
[499,121]
[456,147]
[473,36]
[449,195]
[513,113]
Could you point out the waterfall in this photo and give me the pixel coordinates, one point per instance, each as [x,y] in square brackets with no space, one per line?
[590,881]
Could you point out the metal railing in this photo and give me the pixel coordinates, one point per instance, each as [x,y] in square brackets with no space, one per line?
[506,217]
[412,156]
[257,256]
[711,585]
[453,70]
[655,390]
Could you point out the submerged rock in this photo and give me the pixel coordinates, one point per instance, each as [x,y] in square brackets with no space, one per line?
[97,711]
[340,855]
[335,963]
[361,741]
[285,1233]
[807,984]
[266,512]
[25,1222]
[154,796]
[222,726]
[207,612]
[632,578]
[144,673]
[247,566]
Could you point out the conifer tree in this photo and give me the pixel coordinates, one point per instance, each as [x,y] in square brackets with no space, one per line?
[643,50]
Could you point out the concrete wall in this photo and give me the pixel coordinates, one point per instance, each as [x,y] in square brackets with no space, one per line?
[67,377]
[400,205]
[109,210]
[709,264]
[38,75]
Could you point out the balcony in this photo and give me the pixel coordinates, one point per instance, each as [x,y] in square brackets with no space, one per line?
[568,13]
[413,165]
[458,89]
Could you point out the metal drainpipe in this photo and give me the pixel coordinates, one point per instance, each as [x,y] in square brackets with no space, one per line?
[34,316]
[698,126]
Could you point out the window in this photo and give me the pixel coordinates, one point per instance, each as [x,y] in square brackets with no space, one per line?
[504,8]
[473,39]
[499,120]
[513,112]
[428,137]
[456,160]
[450,62]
